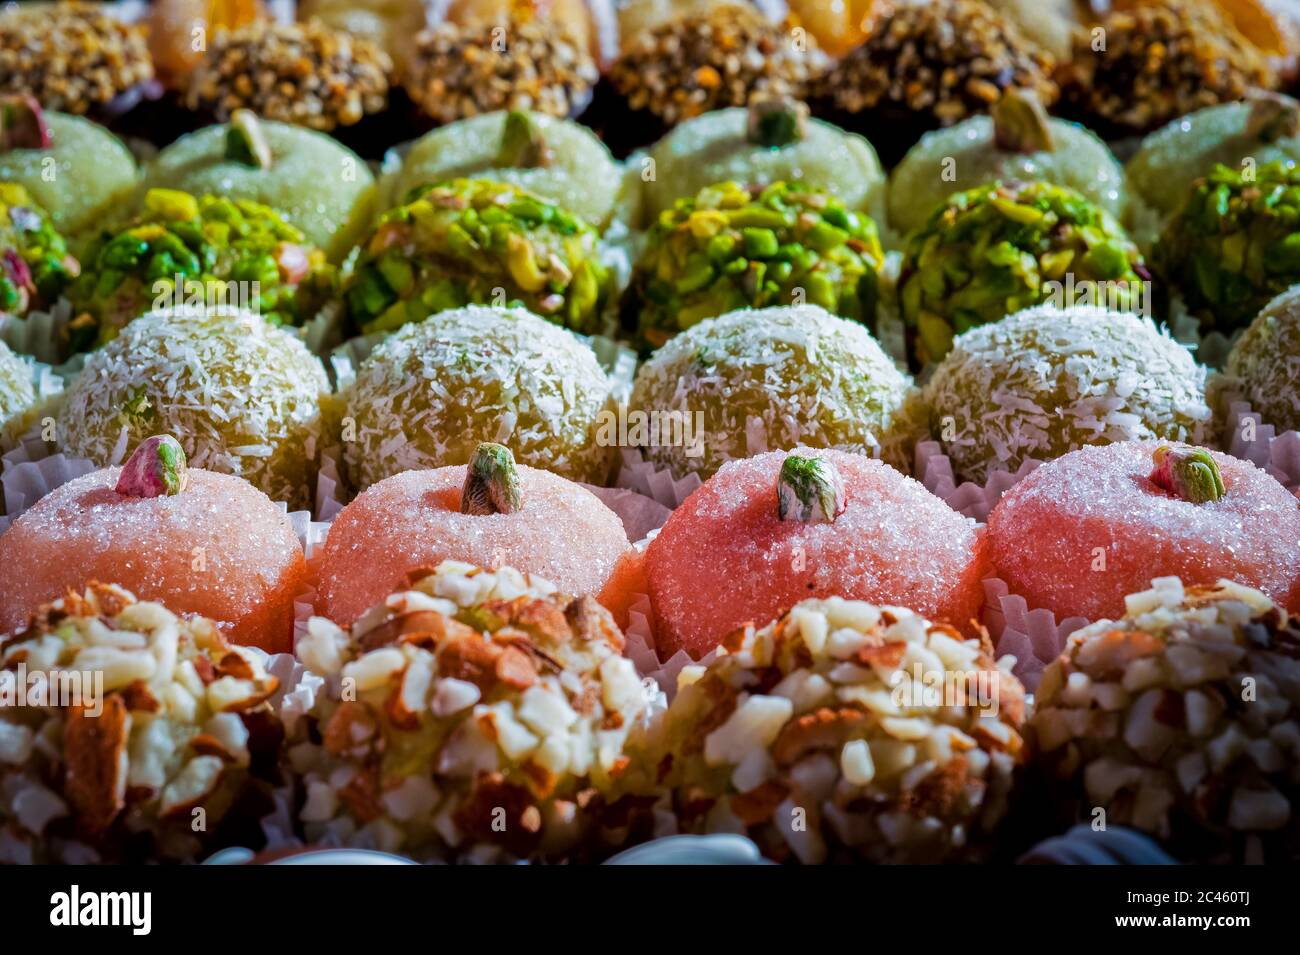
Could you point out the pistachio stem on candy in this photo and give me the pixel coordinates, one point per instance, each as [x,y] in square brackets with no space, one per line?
[1021,124]
[22,124]
[492,483]
[1187,473]
[777,122]
[1273,116]
[156,469]
[809,490]
[522,144]
[246,142]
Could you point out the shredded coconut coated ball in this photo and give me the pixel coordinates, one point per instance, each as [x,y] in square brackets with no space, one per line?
[478,716]
[17,396]
[1183,720]
[240,396]
[1264,364]
[1047,380]
[763,380]
[429,394]
[845,731]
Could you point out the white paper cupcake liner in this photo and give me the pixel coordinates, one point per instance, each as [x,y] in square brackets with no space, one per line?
[1278,454]
[1033,637]
[934,469]
[635,473]
[31,470]
[38,334]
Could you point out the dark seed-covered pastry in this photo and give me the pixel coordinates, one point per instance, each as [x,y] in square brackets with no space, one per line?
[302,73]
[727,56]
[949,58]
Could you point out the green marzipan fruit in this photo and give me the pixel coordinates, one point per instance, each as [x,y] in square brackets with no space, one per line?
[734,247]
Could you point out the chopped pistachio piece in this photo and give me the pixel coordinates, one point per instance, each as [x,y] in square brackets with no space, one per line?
[22,124]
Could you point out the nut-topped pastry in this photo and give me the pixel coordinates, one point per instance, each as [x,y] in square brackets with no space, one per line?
[734,246]
[1234,244]
[35,264]
[1181,719]
[302,73]
[477,242]
[197,249]
[940,62]
[166,738]
[1160,61]
[988,252]
[72,56]
[727,55]
[460,70]
[845,731]
[487,720]
[317,184]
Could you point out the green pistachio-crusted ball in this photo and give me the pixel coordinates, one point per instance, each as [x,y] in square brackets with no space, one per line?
[199,251]
[35,266]
[17,396]
[241,397]
[732,246]
[1261,129]
[429,394]
[760,380]
[996,249]
[478,242]
[1234,244]
[1046,381]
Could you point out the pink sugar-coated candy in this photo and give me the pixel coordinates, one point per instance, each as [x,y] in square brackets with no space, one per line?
[411,520]
[1083,531]
[220,548]
[725,558]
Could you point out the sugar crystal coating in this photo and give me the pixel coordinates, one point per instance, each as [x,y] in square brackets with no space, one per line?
[725,558]
[1081,532]
[1048,380]
[430,393]
[220,548]
[411,520]
[757,380]
[240,396]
